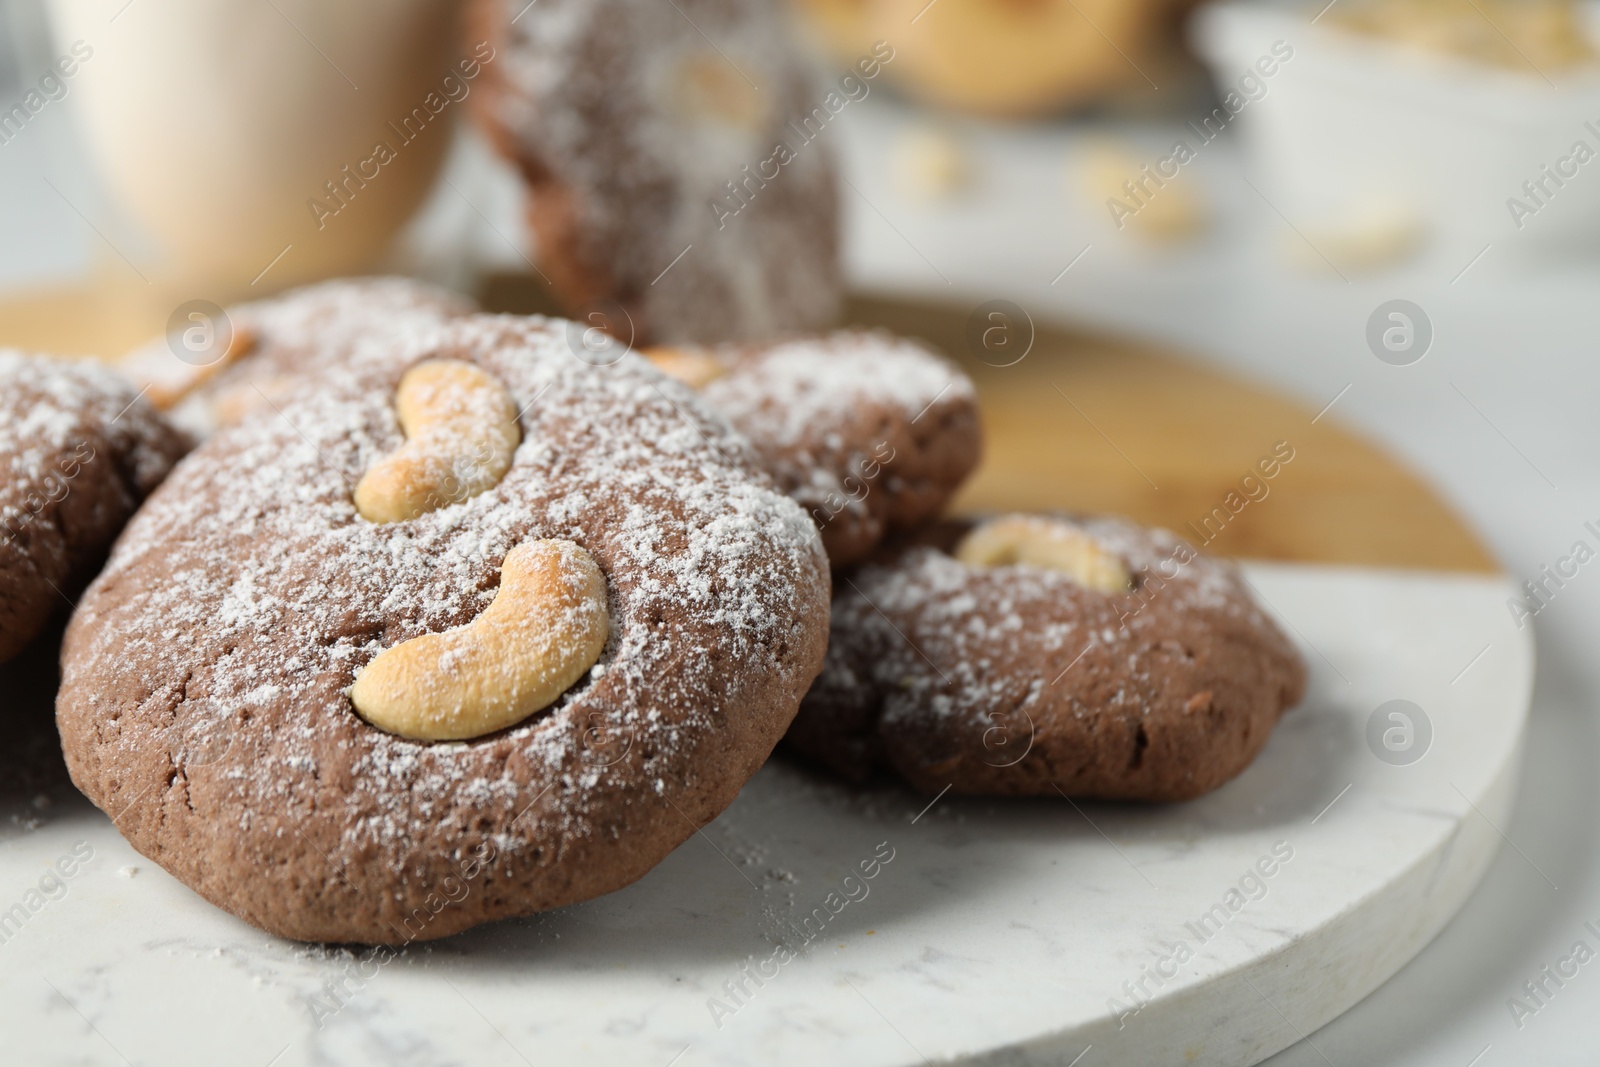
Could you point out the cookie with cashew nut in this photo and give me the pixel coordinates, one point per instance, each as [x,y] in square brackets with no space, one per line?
[214,370]
[79,449]
[674,158]
[467,632]
[1035,655]
[869,432]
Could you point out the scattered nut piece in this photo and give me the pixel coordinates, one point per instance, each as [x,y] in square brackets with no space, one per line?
[1035,541]
[167,380]
[694,367]
[1372,234]
[461,431]
[929,163]
[710,88]
[544,630]
[1168,212]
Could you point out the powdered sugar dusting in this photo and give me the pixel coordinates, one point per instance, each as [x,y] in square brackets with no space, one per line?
[60,405]
[78,450]
[867,431]
[799,392]
[250,582]
[926,627]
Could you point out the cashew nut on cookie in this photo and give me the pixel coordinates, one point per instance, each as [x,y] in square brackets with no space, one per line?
[544,630]
[694,367]
[461,430]
[1036,541]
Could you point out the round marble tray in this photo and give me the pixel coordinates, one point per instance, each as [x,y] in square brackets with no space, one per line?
[1003,933]
[1215,932]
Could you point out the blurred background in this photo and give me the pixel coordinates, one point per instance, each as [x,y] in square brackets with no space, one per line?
[1183,146]
[1259,188]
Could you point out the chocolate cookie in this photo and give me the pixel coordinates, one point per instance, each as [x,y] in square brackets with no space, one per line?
[1090,658]
[78,451]
[315,681]
[215,371]
[677,161]
[870,433]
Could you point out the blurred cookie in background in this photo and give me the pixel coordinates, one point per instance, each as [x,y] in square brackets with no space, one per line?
[1011,58]
[678,161]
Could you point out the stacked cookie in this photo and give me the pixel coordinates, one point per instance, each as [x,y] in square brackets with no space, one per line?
[453,623]
[463,611]
[870,433]
[79,449]
[1029,655]
[1040,655]
[444,602]
[221,367]
[675,158]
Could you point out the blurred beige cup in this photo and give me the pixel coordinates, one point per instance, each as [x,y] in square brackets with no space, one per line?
[220,126]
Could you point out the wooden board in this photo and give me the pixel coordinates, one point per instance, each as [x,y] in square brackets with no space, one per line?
[1092,423]
[1082,422]
[1001,929]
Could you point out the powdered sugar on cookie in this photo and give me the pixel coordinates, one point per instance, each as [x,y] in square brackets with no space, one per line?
[78,450]
[244,600]
[937,666]
[867,431]
[799,389]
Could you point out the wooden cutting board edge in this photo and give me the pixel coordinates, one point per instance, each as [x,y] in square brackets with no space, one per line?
[1089,422]
[1083,422]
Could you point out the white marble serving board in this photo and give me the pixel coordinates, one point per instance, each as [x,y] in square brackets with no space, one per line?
[997,932]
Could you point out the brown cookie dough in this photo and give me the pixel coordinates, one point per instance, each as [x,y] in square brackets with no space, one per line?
[78,451]
[260,356]
[649,136]
[1016,679]
[869,432]
[207,699]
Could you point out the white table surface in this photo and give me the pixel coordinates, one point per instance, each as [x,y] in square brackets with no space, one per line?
[1500,415]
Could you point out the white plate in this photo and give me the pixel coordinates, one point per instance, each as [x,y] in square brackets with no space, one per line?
[997,933]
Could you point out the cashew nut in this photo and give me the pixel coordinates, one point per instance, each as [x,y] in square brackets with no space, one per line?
[461,430]
[166,386]
[544,630]
[694,367]
[1036,541]
[708,89]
